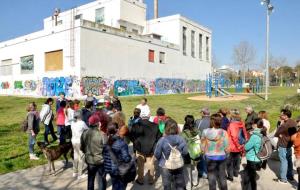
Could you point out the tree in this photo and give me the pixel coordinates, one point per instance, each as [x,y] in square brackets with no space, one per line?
[243,56]
[297,70]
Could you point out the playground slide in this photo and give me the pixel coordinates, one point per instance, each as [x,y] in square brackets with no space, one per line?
[225,92]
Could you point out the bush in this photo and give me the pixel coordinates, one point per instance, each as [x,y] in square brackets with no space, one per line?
[292,103]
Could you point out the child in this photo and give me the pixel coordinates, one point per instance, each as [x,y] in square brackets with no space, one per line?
[60,121]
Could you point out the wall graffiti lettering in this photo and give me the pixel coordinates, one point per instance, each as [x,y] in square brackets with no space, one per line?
[95,85]
[30,85]
[54,86]
[169,86]
[5,85]
[18,85]
[194,86]
[129,87]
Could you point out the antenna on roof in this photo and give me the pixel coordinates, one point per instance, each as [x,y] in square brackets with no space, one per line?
[55,14]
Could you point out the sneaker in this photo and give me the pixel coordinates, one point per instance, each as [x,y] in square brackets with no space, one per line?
[282,181]
[83,176]
[291,179]
[75,174]
[33,157]
[138,182]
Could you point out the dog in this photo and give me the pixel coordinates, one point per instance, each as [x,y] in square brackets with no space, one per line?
[54,152]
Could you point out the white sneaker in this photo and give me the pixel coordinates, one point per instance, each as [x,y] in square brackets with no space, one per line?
[33,157]
[83,176]
[75,174]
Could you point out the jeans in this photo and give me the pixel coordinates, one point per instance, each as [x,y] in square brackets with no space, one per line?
[249,178]
[176,176]
[61,130]
[286,164]
[233,164]
[117,183]
[202,166]
[78,163]
[92,171]
[216,174]
[49,129]
[31,143]
[145,162]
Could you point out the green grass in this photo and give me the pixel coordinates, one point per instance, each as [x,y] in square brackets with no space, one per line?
[13,142]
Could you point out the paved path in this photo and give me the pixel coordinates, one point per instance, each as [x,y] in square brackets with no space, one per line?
[38,179]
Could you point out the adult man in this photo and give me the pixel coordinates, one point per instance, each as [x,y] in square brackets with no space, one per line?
[202,124]
[92,143]
[60,99]
[251,116]
[145,135]
[284,146]
[143,106]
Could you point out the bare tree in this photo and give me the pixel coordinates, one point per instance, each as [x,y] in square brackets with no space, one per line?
[243,55]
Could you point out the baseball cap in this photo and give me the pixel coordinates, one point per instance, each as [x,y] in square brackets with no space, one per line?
[94,120]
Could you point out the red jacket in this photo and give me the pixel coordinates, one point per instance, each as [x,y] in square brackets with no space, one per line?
[233,135]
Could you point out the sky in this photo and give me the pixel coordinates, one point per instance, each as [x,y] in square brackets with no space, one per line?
[231,22]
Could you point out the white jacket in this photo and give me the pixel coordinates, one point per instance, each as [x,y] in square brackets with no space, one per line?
[77,128]
[46,114]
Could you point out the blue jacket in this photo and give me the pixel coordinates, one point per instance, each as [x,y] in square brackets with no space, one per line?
[253,145]
[162,147]
[120,149]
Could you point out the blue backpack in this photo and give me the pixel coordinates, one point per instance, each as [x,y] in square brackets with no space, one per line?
[241,137]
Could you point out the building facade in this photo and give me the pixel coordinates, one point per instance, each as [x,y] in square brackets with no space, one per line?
[107,46]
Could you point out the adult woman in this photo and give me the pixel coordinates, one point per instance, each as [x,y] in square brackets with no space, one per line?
[120,120]
[214,143]
[162,153]
[225,121]
[252,147]
[47,116]
[33,128]
[264,116]
[69,118]
[235,131]
[60,121]
[78,126]
[118,149]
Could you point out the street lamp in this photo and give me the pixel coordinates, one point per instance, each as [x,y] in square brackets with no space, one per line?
[270,9]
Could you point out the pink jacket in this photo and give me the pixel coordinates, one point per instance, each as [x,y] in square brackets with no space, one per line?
[233,136]
[60,117]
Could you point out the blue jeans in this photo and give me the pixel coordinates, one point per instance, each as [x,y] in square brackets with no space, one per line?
[117,183]
[217,174]
[92,171]
[286,164]
[31,143]
[202,167]
[173,176]
[61,132]
[49,129]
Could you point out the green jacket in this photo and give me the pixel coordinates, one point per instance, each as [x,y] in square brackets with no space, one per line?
[253,145]
[92,143]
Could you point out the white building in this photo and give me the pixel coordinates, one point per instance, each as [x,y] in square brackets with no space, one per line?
[106,44]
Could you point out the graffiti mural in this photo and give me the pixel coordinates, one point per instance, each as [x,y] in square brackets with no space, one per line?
[194,86]
[27,64]
[54,86]
[30,85]
[5,85]
[169,86]
[18,85]
[95,85]
[129,87]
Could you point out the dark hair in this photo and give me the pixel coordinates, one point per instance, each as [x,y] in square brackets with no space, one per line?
[112,129]
[71,104]
[215,120]
[160,112]
[189,122]
[259,122]
[76,101]
[263,115]
[104,118]
[171,127]
[63,104]
[49,100]
[223,111]
[31,107]
[136,112]
[145,99]
[88,104]
[287,112]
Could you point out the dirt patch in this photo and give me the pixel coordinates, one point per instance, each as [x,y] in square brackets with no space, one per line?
[218,99]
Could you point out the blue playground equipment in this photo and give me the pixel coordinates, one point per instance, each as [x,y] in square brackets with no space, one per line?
[239,86]
[216,84]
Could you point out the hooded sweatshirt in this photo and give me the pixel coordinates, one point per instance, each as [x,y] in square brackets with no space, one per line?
[233,135]
[252,147]
[214,143]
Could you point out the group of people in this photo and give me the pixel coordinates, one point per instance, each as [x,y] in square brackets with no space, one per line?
[211,146]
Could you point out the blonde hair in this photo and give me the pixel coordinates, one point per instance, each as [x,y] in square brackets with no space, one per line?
[31,107]
[119,118]
[263,115]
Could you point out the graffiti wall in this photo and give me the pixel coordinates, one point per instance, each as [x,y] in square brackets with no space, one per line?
[194,86]
[5,85]
[18,85]
[54,86]
[129,87]
[30,85]
[169,86]
[95,85]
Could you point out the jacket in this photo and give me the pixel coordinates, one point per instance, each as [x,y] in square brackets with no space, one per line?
[86,114]
[69,117]
[249,120]
[46,114]
[144,136]
[284,138]
[225,123]
[60,117]
[203,123]
[296,142]
[214,143]
[162,150]
[77,128]
[92,143]
[33,120]
[253,145]
[233,135]
[121,152]
[187,135]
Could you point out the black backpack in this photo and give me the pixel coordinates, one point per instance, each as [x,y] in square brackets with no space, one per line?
[266,149]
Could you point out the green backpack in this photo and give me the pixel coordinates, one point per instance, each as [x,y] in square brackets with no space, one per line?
[194,146]
[161,126]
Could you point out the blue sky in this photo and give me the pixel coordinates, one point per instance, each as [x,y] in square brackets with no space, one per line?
[231,21]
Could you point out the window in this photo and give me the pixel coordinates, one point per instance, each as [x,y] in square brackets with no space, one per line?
[123,28]
[162,57]
[193,43]
[151,56]
[27,64]
[135,31]
[78,17]
[59,22]
[207,48]
[54,60]
[99,16]
[184,40]
[200,47]
[6,67]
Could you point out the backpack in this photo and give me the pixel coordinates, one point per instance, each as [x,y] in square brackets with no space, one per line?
[132,121]
[194,146]
[241,137]
[24,124]
[266,149]
[161,126]
[175,160]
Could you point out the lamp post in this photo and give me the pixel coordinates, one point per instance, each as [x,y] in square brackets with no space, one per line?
[270,9]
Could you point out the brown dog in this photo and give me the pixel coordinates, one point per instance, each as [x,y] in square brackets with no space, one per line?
[54,152]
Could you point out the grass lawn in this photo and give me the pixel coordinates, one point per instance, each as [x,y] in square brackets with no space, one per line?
[13,142]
